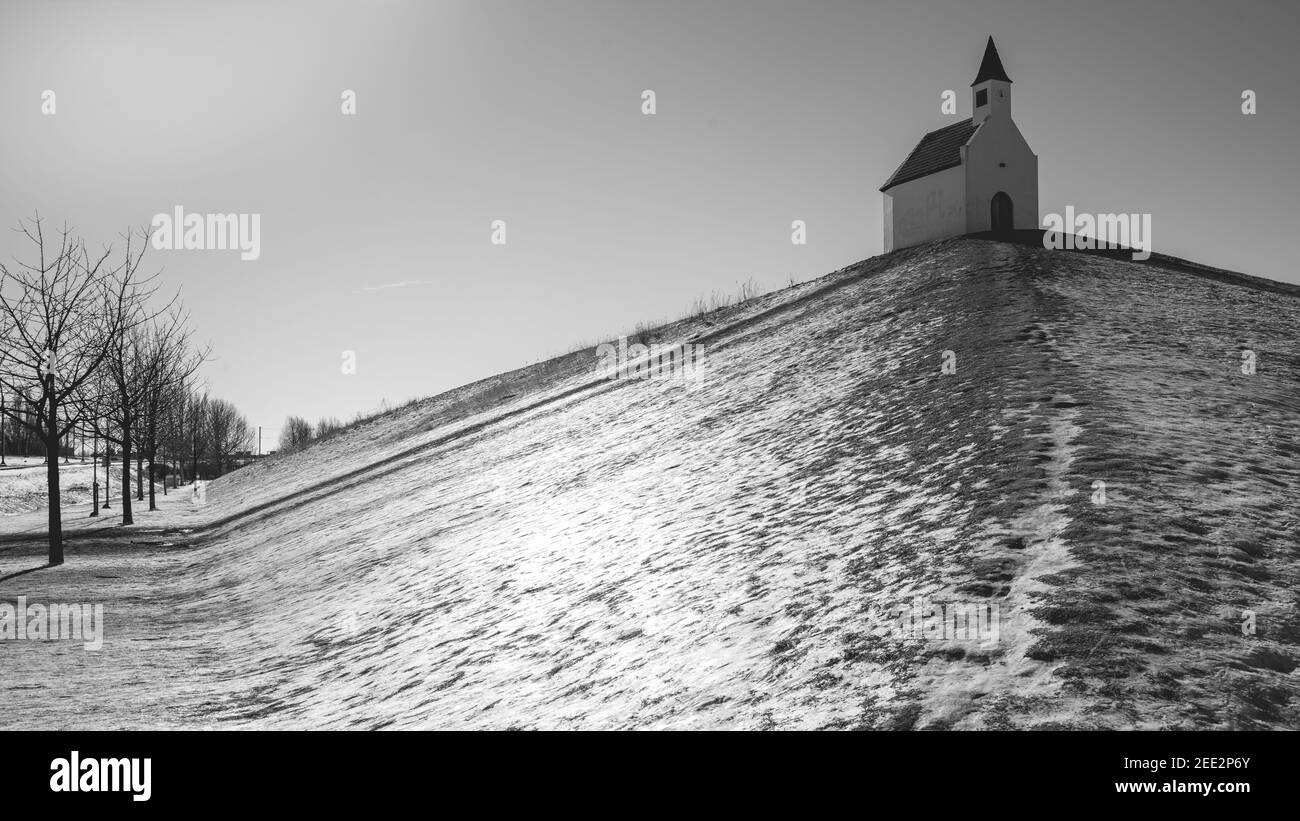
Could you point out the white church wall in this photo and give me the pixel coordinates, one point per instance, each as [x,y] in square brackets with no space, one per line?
[1000,141]
[930,208]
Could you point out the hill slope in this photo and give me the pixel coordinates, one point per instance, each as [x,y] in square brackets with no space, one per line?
[583,553]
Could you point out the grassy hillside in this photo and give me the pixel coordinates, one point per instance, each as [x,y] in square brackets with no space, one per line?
[549,549]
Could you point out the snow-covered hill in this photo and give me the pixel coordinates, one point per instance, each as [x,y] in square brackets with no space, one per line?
[552,550]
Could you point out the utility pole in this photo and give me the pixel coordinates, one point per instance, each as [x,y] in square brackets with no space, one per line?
[259,440]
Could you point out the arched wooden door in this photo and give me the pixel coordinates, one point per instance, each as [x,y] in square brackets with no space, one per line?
[1001,216]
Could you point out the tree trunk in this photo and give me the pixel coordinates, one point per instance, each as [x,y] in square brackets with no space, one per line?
[94,479]
[139,476]
[126,477]
[52,481]
[152,450]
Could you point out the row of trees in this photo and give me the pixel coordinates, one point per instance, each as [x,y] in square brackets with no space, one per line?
[200,436]
[88,350]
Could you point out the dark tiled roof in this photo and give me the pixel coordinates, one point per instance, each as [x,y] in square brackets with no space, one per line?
[936,151]
[991,66]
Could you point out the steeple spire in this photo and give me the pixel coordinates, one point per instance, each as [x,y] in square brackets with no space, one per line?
[991,66]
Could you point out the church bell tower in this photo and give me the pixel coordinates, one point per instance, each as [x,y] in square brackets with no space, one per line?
[991,91]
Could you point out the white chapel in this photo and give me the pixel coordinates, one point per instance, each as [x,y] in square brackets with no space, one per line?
[969,177]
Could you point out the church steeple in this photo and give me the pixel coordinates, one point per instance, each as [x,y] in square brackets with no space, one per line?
[991,91]
[991,66]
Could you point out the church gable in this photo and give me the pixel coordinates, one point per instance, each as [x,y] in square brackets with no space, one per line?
[999,134]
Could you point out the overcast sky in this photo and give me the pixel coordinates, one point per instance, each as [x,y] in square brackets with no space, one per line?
[530,112]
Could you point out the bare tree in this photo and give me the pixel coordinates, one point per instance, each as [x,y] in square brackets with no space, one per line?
[94,399]
[137,356]
[63,309]
[228,431]
[327,426]
[170,433]
[196,422]
[173,363]
[139,363]
[295,434]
